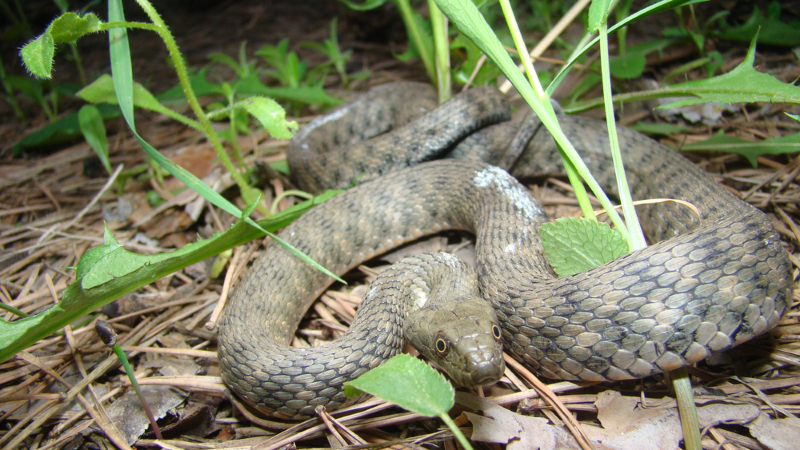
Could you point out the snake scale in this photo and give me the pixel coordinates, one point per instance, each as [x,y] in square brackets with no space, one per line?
[705,284]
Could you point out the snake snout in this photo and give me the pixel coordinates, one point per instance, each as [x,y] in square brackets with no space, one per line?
[487,371]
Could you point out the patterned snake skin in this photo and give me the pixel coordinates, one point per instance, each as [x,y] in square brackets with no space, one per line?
[703,286]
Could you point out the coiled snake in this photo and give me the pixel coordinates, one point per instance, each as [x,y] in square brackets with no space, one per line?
[703,286]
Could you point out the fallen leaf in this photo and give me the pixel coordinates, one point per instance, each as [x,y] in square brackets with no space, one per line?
[777,434]
[129,417]
[517,431]
[626,424]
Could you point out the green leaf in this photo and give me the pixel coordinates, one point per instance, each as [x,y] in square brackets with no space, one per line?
[69,27]
[660,128]
[121,70]
[487,73]
[271,115]
[224,59]
[309,95]
[794,116]
[200,85]
[742,84]
[655,8]
[65,129]
[94,131]
[408,383]
[101,90]
[30,87]
[37,55]
[723,143]
[108,271]
[628,66]
[598,14]
[252,85]
[281,166]
[577,245]
[770,31]
[366,6]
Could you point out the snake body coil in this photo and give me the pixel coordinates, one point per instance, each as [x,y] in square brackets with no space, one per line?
[705,285]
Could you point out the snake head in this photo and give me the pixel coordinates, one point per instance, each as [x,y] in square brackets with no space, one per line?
[464,340]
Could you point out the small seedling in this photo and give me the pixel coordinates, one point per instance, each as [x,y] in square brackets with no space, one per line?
[109,338]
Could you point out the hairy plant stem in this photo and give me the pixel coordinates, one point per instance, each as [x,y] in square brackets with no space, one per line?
[207,127]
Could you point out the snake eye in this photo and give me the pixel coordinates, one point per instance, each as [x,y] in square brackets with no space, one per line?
[441,345]
[496,331]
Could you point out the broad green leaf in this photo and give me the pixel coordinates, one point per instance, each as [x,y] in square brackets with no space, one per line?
[101,90]
[69,27]
[108,271]
[629,66]
[271,115]
[577,245]
[408,383]
[742,84]
[94,131]
[38,55]
[770,31]
[723,143]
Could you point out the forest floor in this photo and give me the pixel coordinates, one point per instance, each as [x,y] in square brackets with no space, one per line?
[56,200]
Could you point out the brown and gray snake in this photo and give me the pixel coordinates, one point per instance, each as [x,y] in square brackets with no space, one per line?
[704,285]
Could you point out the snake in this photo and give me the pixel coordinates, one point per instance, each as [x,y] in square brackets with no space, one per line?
[709,280]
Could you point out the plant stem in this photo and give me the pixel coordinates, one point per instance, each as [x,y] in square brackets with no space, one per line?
[416,37]
[132,25]
[109,338]
[208,129]
[522,50]
[686,408]
[124,360]
[12,310]
[456,431]
[442,50]
[636,239]
[12,100]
